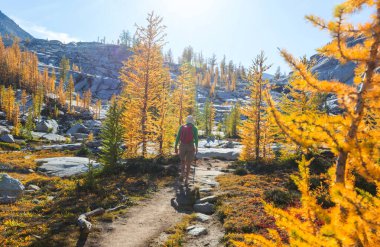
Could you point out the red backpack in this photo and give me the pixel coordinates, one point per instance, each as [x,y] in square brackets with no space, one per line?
[186,134]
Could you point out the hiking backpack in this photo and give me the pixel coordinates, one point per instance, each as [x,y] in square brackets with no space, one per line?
[186,134]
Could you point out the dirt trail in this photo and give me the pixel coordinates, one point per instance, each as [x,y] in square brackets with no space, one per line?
[145,223]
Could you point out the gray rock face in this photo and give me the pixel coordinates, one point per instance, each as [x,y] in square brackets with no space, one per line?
[4,130]
[7,138]
[65,166]
[80,136]
[49,136]
[10,188]
[204,208]
[48,126]
[196,230]
[73,146]
[9,27]
[100,63]
[77,128]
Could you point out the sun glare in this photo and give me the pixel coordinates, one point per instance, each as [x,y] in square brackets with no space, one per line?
[188,8]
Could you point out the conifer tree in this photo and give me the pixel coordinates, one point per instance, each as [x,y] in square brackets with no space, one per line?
[232,121]
[251,130]
[166,116]
[61,93]
[208,116]
[64,67]
[351,136]
[9,103]
[16,120]
[23,100]
[98,107]
[70,91]
[184,94]
[142,80]
[112,135]
[52,81]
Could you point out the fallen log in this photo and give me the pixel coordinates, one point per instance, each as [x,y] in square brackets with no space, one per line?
[116,208]
[84,224]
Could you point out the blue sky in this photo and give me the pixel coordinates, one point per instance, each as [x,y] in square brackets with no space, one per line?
[237,28]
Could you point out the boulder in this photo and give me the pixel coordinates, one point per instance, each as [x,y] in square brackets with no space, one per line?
[65,166]
[73,146]
[48,136]
[196,230]
[80,136]
[10,188]
[77,128]
[229,144]
[4,130]
[7,138]
[204,208]
[48,126]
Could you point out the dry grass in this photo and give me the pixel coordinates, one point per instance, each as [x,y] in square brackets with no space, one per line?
[48,217]
[241,209]
[177,232]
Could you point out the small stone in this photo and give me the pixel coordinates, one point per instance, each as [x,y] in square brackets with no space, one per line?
[204,208]
[205,190]
[210,199]
[33,187]
[196,230]
[202,217]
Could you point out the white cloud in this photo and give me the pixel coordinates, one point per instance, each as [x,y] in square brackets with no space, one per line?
[43,33]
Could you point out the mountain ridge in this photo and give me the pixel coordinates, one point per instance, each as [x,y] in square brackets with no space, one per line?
[8,27]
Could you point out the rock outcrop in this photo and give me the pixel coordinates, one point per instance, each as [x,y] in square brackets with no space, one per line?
[10,189]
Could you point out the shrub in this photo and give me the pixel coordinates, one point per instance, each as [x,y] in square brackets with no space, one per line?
[9,146]
[83,152]
[241,171]
[280,198]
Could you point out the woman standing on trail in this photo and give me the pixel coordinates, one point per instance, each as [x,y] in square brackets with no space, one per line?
[187,136]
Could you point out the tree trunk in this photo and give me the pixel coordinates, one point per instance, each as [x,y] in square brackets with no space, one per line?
[359,107]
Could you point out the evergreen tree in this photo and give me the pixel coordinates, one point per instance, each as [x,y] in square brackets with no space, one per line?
[64,67]
[112,135]
[125,38]
[70,91]
[232,122]
[207,119]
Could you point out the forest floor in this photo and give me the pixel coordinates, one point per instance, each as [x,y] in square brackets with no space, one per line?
[150,223]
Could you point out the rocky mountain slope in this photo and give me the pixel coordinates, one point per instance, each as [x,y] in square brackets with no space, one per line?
[100,65]
[10,28]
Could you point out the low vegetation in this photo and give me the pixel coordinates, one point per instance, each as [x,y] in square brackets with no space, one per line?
[47,217]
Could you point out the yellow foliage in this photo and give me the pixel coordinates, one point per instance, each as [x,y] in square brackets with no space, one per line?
[351,136]
[146,93]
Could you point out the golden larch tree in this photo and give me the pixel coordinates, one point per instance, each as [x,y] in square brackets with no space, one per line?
[184,93]
[141,76]
[251,129]
[352,136]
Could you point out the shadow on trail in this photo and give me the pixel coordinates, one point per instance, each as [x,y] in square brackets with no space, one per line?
[185,197]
